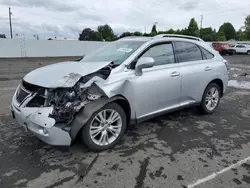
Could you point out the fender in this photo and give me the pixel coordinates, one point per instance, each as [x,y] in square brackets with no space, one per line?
[83,116]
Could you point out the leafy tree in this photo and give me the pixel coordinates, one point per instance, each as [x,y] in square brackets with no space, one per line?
[247,27]
[243,36]
[221,36]
[106,32]
[146,35]
[178,32]
[137,33]
[229,30]
[2,36]
[126,34]
[185,32]
[162,32]
[193,29]
[153,30]
[208,34]
[90,35]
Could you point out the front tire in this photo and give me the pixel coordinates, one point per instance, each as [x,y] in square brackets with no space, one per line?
[248,52]
[210,99]
[105,128]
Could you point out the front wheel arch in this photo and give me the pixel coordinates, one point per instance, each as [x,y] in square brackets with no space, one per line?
[85,113]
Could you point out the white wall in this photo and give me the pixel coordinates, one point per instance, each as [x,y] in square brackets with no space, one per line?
[46,48]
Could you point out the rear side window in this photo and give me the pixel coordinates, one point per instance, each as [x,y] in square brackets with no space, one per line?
[206,54]
[162,54]
[186,52]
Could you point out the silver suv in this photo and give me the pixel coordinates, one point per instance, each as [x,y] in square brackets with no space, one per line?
[125,82]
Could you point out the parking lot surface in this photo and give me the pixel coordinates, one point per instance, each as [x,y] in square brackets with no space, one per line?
[182,149]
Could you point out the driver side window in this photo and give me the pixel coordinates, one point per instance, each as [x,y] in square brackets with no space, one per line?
[162,54]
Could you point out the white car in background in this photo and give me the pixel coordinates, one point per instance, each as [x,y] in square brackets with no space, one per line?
[239,49]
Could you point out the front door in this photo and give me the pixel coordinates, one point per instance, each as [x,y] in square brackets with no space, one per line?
[158,88]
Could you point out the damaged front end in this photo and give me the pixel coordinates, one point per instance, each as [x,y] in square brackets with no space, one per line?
[67,102]
[51,113]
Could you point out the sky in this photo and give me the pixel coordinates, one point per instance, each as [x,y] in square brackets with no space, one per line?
[57,18]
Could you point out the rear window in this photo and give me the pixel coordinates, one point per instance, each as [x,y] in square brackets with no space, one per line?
[206,54]
[186,51]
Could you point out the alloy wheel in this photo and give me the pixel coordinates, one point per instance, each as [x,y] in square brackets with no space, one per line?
[212,98]
[105,127]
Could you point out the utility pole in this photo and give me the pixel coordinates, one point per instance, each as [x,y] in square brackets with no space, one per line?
[201,26]
[10,13]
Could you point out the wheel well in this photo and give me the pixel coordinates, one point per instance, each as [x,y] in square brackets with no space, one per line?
[126,107]
[220,84]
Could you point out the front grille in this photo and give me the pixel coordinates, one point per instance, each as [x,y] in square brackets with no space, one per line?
[21,95]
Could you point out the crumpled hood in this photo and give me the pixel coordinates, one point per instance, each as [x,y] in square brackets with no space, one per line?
[65,74]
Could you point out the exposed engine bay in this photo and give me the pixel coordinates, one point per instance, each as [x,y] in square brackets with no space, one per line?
[66,102]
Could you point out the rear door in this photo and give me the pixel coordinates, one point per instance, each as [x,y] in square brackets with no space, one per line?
[195,69]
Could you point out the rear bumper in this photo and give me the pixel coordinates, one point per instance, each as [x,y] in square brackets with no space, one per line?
[37,121]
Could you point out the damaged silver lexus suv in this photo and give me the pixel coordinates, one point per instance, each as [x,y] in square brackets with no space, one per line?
[125,82]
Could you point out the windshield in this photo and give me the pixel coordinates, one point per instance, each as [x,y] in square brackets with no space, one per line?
[116,52]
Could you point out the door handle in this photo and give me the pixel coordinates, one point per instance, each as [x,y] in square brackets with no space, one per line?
[175,74]
[208,69]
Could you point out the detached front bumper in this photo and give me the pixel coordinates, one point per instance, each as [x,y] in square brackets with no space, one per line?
[37,121]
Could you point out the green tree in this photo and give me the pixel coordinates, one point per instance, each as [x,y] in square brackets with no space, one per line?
[106,32]
[243,36]
[162,32]
[221,36]
[208,34]
[89,35]
[185,32]
[171,31]
[193,29]
[137,33]
[126,34]
[178,32]
[145,35]
[229,30]
[153,30]
[2,36]
[247,27]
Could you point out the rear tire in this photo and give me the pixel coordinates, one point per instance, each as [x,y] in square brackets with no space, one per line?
[210,99]
[100,133]
[248,52]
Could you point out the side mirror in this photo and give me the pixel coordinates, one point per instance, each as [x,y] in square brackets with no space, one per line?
[142,63]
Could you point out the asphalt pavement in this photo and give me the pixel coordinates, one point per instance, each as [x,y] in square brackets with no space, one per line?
[178,150]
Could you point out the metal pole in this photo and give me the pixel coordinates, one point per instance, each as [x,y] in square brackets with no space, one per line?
[10,23]
[201,26]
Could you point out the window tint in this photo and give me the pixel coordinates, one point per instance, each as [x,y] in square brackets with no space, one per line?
[162,54]
[206,54]
[186,52]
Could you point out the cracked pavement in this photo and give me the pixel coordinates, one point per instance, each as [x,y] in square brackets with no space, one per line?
[174,150]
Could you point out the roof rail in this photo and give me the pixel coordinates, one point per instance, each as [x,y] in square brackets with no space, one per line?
[131,37]
[179,36]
